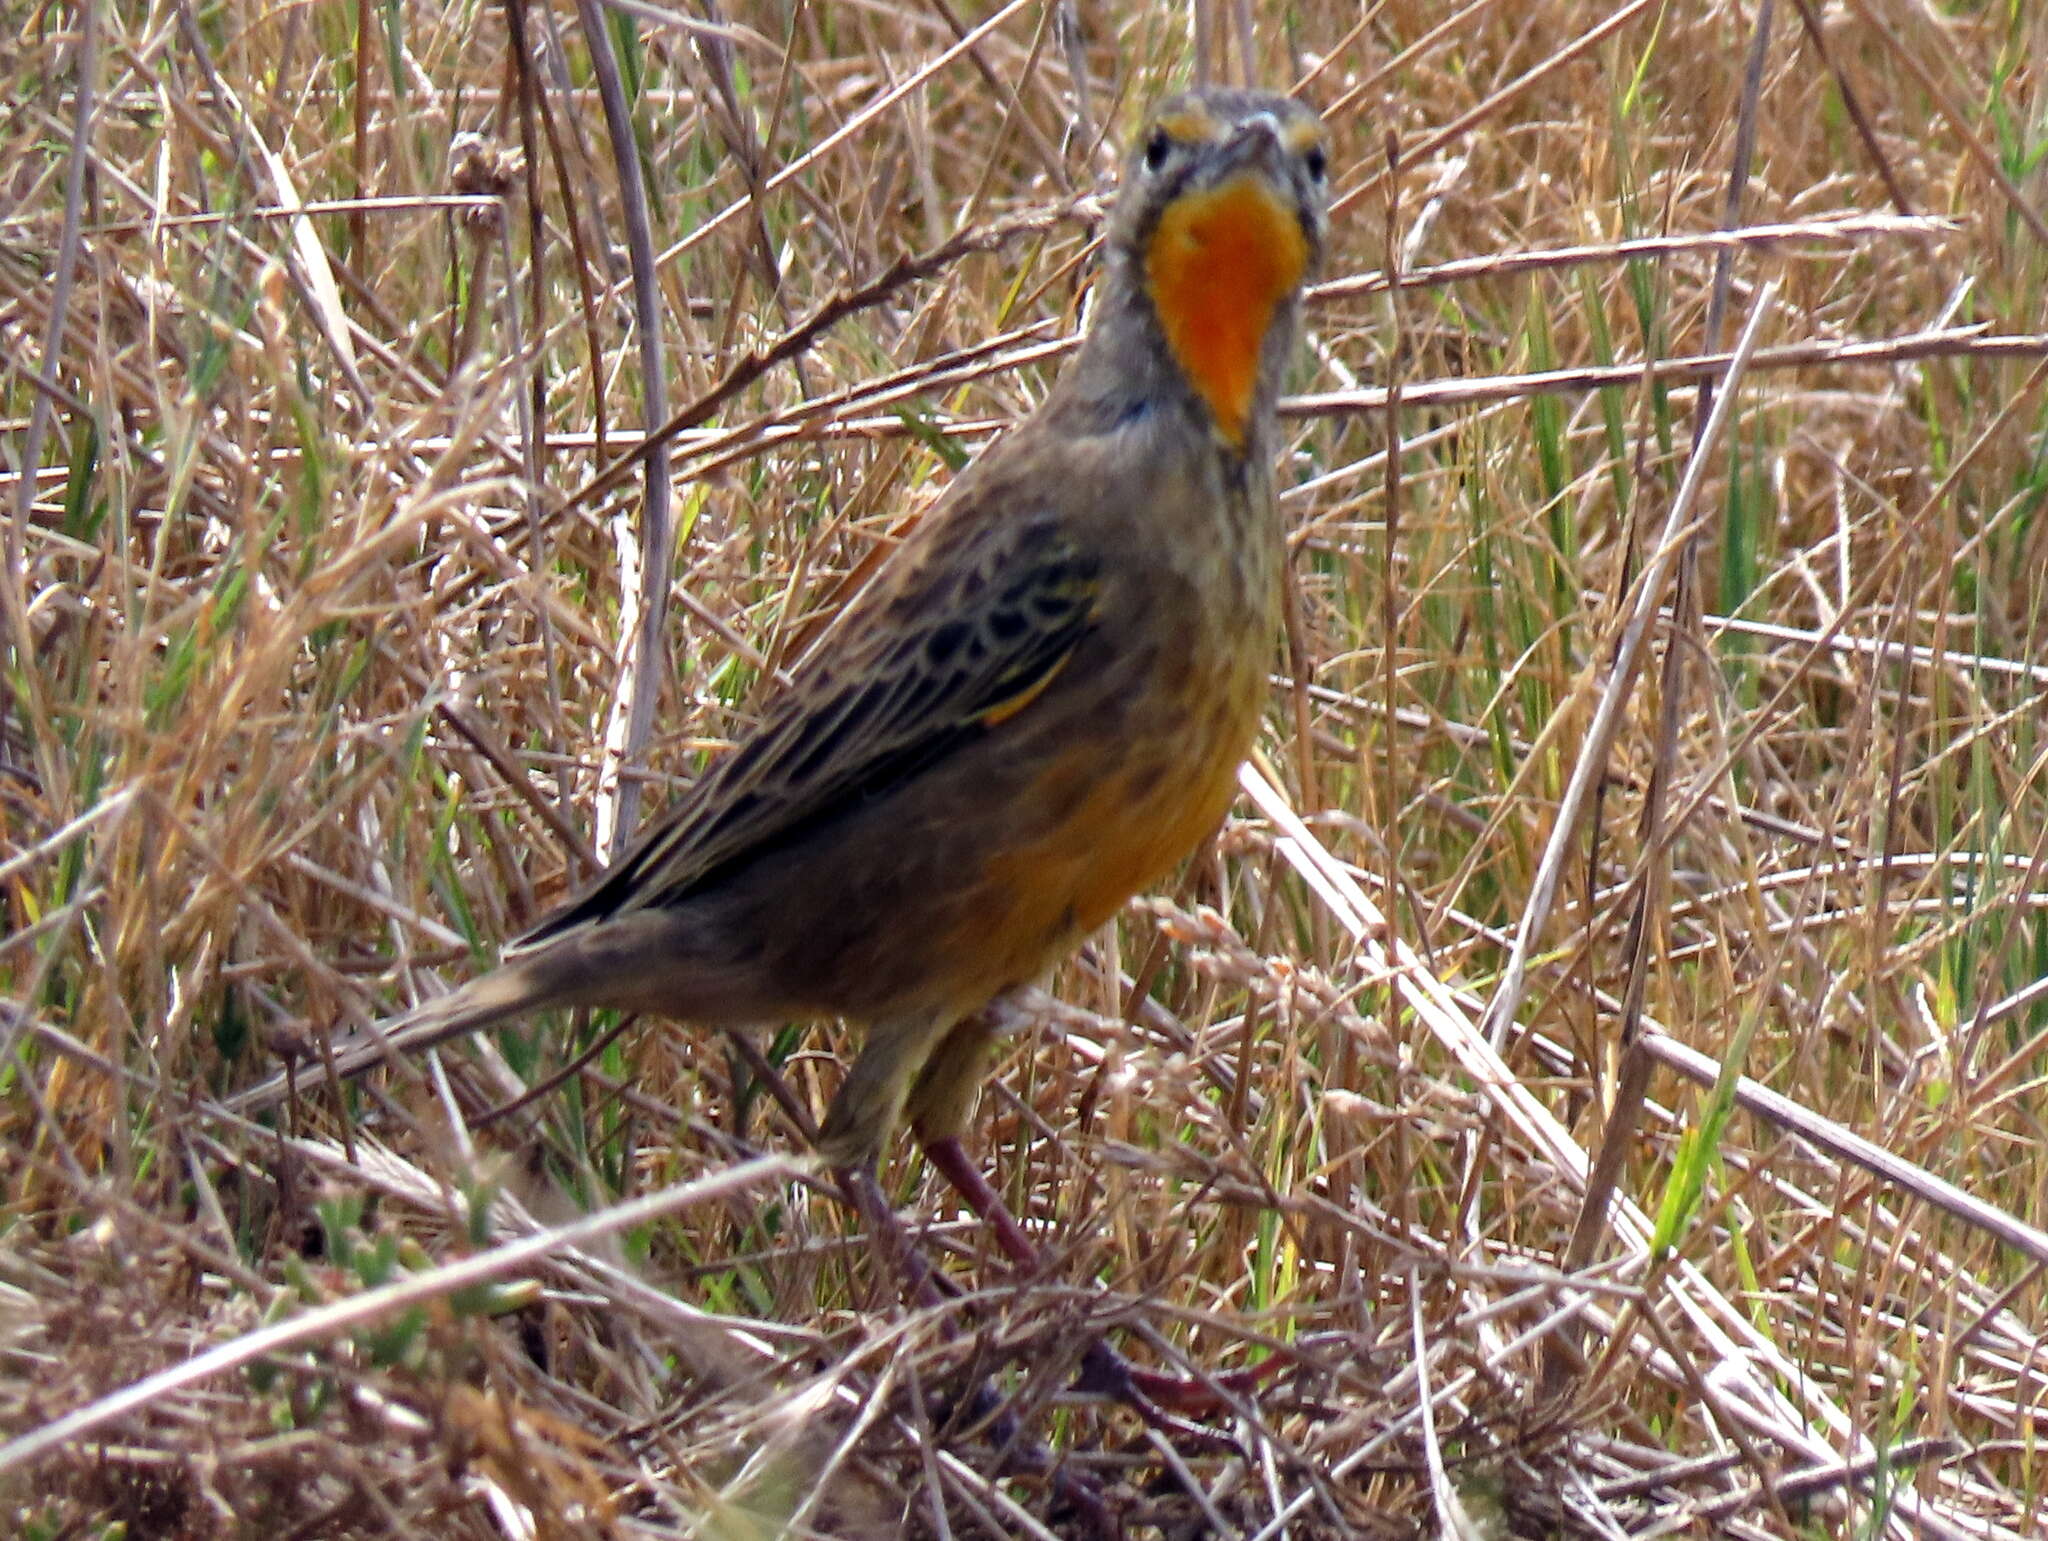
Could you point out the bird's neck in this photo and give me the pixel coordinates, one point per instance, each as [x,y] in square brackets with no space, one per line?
[1210,337]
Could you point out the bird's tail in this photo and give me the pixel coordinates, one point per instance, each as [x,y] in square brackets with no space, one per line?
[520,986]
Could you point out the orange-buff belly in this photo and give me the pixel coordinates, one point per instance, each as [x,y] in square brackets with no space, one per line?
[1129,831]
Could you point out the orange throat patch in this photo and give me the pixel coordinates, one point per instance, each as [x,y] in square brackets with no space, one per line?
[1219,264]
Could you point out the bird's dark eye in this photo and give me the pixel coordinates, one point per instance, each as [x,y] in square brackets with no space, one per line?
[1318,163]
[1157,148]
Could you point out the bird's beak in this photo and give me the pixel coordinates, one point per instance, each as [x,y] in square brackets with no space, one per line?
[1256,142]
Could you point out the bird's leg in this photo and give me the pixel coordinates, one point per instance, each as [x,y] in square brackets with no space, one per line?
[950,1157]
[1155,1396]
[865,1198]
[863,1194]
[938,1106]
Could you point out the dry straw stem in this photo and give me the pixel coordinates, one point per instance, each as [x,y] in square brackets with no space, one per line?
[324,542]
[1647,598]
[329,1321]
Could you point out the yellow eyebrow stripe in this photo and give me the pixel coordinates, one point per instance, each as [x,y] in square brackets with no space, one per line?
[1189,127]
[1301,136]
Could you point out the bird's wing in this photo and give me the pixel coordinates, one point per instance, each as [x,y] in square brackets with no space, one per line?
[977,625]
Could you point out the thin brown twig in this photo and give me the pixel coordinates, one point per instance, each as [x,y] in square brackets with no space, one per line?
[754,364]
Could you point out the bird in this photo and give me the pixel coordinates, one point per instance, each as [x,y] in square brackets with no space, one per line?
[1035,710]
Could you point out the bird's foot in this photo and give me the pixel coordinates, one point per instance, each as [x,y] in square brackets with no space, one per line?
[1172,1404]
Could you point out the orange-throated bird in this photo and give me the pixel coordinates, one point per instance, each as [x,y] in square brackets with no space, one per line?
[1037,708]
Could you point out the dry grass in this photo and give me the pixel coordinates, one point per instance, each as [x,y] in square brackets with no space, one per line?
[317,616]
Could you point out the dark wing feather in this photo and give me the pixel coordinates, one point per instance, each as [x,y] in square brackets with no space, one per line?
[956,647]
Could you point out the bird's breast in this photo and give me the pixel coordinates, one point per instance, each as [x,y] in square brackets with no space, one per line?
[1145,770]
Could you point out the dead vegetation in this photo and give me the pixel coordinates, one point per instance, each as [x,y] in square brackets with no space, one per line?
[1600,726]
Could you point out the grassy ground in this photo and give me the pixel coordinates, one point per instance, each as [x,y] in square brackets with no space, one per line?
[1593,730]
